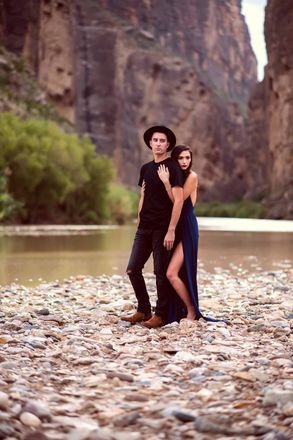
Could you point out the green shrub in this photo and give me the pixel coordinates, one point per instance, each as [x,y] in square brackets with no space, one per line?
[56,176]
[19,65]
[8,206]
[240,209]
[88,204]
[122,204]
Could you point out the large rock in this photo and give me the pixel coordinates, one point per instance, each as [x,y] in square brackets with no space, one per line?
[114,68]
[41,31]
[257,153]
[271,115]
[189,66]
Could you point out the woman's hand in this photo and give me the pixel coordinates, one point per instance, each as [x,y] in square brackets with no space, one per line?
[164,174]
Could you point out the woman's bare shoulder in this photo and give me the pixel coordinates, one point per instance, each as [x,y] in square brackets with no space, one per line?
[192,177]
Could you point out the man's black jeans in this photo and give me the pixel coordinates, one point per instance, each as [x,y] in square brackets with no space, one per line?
[147,241]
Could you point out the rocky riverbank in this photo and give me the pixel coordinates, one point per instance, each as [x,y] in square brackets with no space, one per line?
[70,369]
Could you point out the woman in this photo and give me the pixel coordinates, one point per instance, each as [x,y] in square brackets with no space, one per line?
[182,269]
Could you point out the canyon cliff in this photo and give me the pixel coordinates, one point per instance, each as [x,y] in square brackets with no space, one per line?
[40,31]
[270,132]
[113,68]
[189,66]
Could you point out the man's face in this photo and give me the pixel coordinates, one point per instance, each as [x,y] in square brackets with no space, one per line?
[159,143]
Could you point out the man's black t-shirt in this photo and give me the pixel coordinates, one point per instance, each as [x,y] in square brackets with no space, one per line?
[157,207]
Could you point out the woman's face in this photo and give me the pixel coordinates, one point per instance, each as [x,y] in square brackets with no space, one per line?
[184,159]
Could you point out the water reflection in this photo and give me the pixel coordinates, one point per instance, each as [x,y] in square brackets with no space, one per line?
[31,259]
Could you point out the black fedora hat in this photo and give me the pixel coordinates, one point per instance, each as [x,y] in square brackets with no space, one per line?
[160,129]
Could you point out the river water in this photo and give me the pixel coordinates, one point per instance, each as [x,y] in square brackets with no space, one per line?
[30,255]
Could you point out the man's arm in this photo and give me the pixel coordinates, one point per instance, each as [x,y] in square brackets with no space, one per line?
[177,193]
[140,203]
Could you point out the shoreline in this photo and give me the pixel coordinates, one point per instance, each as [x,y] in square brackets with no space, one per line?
[217,224]
[71,369]
[252,267]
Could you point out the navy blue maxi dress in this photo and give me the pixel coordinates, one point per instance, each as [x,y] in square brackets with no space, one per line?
[187,232]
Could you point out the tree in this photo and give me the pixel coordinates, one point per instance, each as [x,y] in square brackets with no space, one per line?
[57,177]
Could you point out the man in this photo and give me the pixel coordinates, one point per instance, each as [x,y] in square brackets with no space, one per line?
[157,220]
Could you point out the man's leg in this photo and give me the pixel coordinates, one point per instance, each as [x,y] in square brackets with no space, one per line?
[161,261]
[141,251]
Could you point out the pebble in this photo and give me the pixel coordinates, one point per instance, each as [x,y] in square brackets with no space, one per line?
[185,356]
[35,435]
[277,396]
[4,400]
[72,370]
[39,409]
[30,420]
[43,311]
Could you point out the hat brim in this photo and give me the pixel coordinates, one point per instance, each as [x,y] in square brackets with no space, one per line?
[160,129]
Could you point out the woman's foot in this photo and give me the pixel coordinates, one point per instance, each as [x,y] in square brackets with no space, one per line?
[191,315]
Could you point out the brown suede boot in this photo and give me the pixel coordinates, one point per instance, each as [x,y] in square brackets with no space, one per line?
[137,317]
[155,322]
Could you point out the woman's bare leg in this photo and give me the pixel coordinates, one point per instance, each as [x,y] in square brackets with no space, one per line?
[173,276]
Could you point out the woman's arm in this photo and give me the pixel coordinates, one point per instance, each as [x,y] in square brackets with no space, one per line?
[176,211]
[189,187]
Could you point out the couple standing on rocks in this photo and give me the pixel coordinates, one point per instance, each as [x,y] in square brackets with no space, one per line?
[168,195]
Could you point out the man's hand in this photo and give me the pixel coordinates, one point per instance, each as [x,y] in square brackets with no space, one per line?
[169,239]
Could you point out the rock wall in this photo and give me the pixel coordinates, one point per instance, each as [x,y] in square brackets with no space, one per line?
[209,34]
[270,122]
[15,18]
[256,152]
[41,31]
[189,66]
[116,67]
[56,55]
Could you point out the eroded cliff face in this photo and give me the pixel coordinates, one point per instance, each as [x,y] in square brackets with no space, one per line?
[256,152]
[56,55]
[41,31]
[188,66]
[270,122]
[210,35]
[117,67]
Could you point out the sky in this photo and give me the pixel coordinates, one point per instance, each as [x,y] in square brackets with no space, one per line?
[253,10]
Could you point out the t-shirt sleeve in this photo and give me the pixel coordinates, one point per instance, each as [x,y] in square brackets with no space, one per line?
[141,176]
[176,176]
